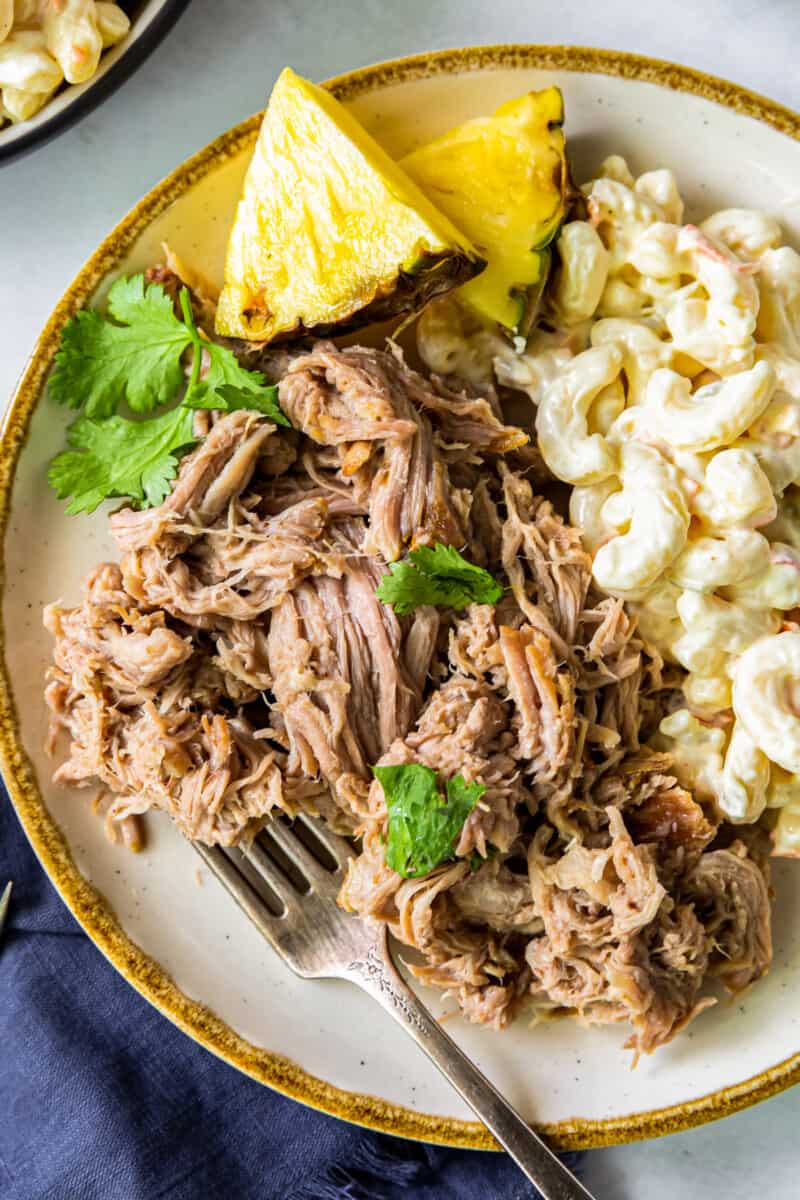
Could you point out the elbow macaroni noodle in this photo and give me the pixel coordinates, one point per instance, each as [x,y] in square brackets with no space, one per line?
[570,450]
[712,416]
[651,520]
[583,273]
[716,560]
[73,38]
[735,491]
[745,778]
[45,42]
[668,395]
[766,697]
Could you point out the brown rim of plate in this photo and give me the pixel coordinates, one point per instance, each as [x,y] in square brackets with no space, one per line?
[88,906]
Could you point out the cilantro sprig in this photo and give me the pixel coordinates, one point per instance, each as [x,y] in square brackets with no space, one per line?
[424,823]
[227,385]
[136,359]
[437,575]
[115,457]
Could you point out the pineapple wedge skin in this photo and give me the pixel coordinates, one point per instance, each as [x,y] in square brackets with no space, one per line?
[504,180]
[330,234]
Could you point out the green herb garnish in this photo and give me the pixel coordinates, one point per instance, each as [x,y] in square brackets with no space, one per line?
[424,824]
[437,575]
[115,457]
[227,398]
[226,385]
[136,359]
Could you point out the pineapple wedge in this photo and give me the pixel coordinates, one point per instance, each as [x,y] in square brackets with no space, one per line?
[503,180]
[330,233]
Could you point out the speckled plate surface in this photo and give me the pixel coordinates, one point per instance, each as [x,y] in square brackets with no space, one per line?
[168,927]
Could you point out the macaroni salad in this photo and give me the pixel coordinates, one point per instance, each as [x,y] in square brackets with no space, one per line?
[668,395]
[46,42]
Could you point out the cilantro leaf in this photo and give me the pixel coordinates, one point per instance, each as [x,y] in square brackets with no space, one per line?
[131,301]
[437,575]
[115,457]
[139,359]
[225,368]
[423,824]
[228,398]
[227,385]
[136,356]
[99,363]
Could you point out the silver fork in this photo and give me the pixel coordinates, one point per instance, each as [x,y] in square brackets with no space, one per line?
[287,883]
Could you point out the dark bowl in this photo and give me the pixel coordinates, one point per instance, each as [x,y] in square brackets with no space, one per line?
[151,21]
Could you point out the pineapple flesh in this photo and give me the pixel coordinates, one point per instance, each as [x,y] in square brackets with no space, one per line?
[330,233]
[503,180]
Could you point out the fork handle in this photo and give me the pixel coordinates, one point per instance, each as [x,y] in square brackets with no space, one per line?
[378,976]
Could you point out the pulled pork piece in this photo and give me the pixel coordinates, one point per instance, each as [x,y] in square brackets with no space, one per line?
[614,947]
[660,812]
[520,664]
[466,421]
[419,647]
[242,653]
[369,405]
[357,401]
[238,568]
[134,649]
[347,678]
[411,502]
[592,897]
[494,896]
[218,470]
[730,894]
[544,560]
[341,397]
[206,555]
[544,700]
[346,397]
[609,648]
[657,976]
[637,899]
[488,984]
[141,706]
[480,969]
[465,730]
[485,527]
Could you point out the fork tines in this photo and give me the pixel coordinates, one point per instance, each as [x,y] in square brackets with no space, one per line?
[286,881]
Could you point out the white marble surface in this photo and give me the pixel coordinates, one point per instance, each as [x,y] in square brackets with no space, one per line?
[216,67]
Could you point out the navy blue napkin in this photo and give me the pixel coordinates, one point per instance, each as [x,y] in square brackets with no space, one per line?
[102,1098]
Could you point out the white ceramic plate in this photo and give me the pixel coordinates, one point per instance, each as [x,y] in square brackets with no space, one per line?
[169,927]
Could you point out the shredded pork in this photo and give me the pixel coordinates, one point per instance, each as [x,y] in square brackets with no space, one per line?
[237,661]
